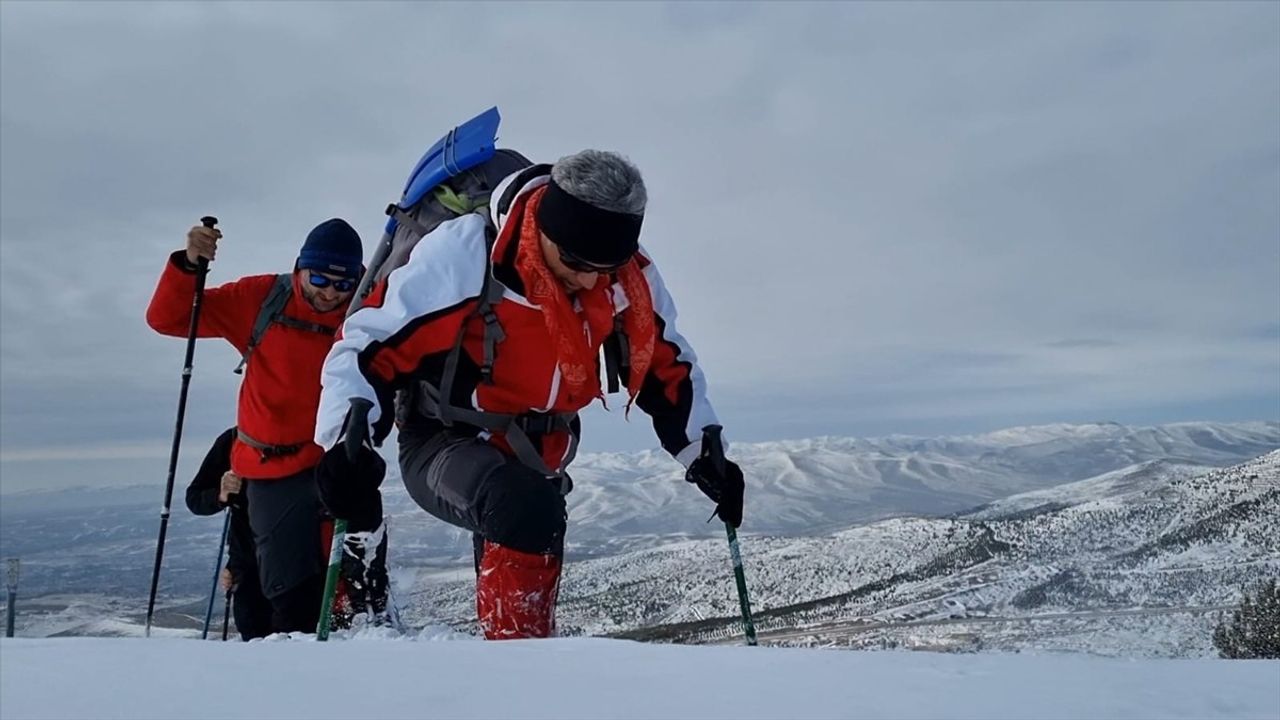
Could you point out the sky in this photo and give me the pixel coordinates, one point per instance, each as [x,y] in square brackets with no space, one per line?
[874,218]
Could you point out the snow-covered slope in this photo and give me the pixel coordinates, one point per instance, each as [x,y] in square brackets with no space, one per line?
[585,678]
[818,485]
[1115,487]
[1152,551]
[646,528]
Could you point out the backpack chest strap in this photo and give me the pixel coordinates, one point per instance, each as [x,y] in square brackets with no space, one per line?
[304,325]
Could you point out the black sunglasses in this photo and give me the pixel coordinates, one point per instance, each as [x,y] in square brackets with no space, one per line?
[577,264]
[341,284]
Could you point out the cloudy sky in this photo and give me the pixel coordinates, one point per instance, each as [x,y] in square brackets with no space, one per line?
[875,218]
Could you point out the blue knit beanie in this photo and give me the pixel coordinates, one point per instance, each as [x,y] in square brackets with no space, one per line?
[333,246]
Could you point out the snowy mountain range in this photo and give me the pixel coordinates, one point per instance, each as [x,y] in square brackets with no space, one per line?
[814,486]
[837,530]
[1131,562]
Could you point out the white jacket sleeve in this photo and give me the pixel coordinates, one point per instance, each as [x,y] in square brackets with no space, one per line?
[675,392]
[415,312]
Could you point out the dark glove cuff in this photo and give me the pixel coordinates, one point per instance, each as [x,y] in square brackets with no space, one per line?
[180,261]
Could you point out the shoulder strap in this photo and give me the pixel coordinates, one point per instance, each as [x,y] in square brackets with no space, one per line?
[617,356]
[491,292]
[439,403]
[490,295]
[271,308]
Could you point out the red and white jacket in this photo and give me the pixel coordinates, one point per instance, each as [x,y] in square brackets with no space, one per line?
[410,321]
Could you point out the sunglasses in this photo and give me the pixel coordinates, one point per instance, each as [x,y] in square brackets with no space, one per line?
[340,284]
[577,264]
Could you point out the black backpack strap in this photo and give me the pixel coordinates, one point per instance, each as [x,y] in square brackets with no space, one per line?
[491,292]
[403,218]
[306,325]
[491,295]
[272,306]
[515,428]
[617,356]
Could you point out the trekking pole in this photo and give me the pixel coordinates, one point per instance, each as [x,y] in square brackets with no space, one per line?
[202,270]
[357,428]
[217,570]
[226,613]
[331,579]
[716,452]
[12,585]
[745,602]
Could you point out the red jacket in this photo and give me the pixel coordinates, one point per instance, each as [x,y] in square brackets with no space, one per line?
[281,389]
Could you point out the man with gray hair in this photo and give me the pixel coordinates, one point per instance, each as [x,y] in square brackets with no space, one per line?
[491,336]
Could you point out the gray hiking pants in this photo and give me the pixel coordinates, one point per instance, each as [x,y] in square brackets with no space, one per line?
[470,484]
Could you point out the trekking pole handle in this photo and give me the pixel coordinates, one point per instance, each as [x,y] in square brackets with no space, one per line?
[713,447]
[357,427]
[202,265]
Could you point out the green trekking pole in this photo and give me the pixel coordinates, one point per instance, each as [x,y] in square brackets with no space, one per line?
[715,451]
[356,430]
[331,579]
[745,602]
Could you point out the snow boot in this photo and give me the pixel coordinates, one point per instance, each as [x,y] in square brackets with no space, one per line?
[364,576]
[516,593]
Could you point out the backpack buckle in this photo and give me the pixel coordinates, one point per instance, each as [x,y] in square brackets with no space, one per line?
[537,423]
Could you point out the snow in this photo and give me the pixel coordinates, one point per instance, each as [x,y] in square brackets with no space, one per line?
[597,678]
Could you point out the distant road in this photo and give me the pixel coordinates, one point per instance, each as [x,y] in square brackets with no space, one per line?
[847,628]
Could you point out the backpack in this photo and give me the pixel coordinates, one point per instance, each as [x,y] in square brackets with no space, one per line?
[272,312]
[456,176]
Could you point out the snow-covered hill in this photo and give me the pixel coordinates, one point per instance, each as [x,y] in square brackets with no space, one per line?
[1130,562]
[812,486]
[620,502]
[641,554]
[590,678]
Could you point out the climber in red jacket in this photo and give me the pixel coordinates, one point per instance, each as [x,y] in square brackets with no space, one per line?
[283,326]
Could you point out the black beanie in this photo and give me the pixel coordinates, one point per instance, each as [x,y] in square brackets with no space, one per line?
[333,246]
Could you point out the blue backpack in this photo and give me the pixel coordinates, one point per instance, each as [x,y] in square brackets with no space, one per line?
[455,177]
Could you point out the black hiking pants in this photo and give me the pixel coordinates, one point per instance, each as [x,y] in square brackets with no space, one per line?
[285,516]
[251,610]
[470,484]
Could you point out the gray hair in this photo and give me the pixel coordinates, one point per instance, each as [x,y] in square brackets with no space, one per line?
[604,179]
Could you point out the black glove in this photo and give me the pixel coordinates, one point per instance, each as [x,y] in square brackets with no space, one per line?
[237,501]
[724,487]
[349,490]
